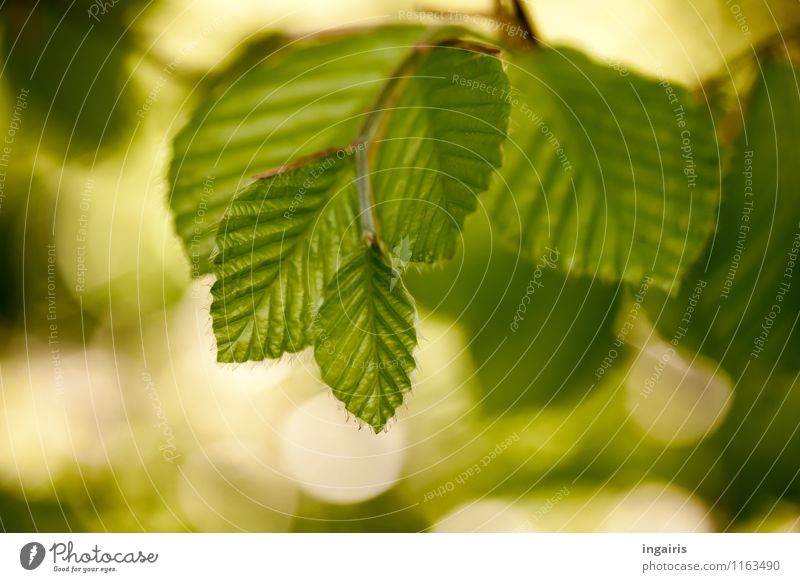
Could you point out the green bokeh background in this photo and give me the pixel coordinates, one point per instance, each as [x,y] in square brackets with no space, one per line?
[114,415]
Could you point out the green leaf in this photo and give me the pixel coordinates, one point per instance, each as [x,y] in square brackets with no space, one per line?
[440,147]
[366,337]
[308,96]
[616,171]
[278,248]
[741,304]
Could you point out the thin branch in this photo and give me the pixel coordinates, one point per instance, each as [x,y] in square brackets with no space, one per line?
[521,17]
[777,40]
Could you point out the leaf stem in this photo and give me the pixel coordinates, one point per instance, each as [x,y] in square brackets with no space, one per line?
[366,136]
[364,188]
[372,121]
[367,132]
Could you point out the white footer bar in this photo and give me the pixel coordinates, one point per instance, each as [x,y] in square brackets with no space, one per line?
[390,557]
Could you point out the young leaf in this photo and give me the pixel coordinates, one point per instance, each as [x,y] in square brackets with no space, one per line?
[618,172]
[440,146]
[366,337]
[306,97]
[278,247]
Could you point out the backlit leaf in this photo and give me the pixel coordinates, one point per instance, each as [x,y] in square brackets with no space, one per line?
[366,337]
[618,172]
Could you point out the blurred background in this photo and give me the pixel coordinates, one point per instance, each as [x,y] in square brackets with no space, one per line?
[115,416]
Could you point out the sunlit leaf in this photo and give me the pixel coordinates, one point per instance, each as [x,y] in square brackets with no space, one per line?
[366,337]
[440,147]
[279,245]
[617,172]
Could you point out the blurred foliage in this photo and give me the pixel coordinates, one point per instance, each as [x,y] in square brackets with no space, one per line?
[751,252]
[746,316]
[123,420]
[75,67]
[550,356]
